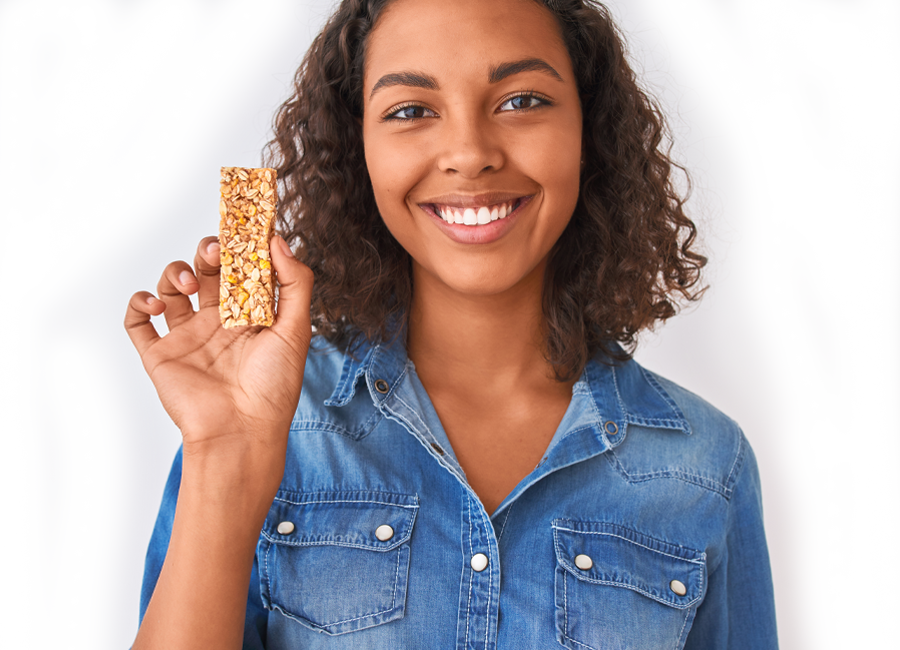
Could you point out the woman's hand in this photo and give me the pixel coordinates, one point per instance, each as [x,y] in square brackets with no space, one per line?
[225,389]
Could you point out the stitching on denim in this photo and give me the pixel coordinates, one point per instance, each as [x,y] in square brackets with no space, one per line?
[566,595]
[342,382]
[618,394]
[411,520]
[441,459]
[597,532]
[396,383]
[738,459]
[320,425]
[487,623]
[298,426]
[471,572]
[268,578]
[625,585]
[659,390]
[586,427]
[694,479]
[666,423]
[396,579]
[425,431]
[679,643]
[593,403]
[355,618]
[301,493]
[297,617]
[503,527]
[565,579]
[330,542]
[366,427]
[414,412]
[379,503]
[583,645]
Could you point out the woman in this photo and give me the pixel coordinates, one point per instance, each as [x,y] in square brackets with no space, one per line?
[478,190]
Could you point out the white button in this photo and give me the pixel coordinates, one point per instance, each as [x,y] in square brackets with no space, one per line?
[384,533]
[583,562]
[479,562]
[285,528]
[678,587]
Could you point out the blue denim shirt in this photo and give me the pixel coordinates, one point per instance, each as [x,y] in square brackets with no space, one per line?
[641,528]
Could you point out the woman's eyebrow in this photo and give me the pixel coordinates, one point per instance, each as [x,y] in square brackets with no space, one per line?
[498,73]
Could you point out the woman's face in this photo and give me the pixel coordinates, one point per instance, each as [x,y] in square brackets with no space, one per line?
[472,132]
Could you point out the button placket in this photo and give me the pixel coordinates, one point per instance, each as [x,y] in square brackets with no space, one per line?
[479,590]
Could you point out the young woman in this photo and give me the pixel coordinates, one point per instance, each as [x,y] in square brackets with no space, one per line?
[478,196]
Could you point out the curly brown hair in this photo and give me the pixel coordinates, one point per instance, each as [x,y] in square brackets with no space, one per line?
[623,262]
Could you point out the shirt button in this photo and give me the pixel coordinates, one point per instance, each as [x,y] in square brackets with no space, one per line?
[285,528]
[382,386]
[384,533]
[479,562]
[584,562]
[677,586]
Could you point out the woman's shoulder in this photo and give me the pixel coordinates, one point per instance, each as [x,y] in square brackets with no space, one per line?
[675,433]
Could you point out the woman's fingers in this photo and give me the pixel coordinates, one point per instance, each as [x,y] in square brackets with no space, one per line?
[295,283]
[206,266]
[175,285]
[137,320]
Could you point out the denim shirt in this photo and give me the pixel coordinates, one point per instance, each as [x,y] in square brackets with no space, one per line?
[640,528]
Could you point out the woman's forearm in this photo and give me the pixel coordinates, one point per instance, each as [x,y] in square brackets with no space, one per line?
[201,596]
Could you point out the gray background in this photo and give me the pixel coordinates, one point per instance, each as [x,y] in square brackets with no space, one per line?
[733,348]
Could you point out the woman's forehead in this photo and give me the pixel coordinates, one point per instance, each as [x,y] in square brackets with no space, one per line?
[479,34]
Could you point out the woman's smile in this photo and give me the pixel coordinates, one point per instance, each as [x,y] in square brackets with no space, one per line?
[479,219]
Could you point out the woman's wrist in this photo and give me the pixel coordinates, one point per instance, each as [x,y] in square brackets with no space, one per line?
[236,473]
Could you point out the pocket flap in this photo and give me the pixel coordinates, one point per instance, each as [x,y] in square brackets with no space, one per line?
[617,556]
[377,521]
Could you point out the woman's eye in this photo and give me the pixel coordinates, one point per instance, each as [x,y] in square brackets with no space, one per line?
[409,113]
[522,103]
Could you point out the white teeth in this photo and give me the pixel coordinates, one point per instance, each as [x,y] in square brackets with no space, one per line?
[474,216]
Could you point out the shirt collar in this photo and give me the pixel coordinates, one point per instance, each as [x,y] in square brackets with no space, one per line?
[622,395]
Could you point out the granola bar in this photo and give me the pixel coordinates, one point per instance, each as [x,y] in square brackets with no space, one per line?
[247,208]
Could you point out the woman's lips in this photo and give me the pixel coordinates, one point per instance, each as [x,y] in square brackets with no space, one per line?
[476,224]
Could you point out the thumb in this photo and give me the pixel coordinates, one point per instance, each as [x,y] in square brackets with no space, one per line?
[295,283]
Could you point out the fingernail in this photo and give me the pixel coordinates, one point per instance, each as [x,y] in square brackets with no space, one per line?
[285,248]
[213,248]
[185,278]
[151,300]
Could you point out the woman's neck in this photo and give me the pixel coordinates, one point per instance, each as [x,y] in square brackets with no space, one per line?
[495,341]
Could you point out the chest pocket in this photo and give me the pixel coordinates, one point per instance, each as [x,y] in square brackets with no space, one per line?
[618,589]
[337,562]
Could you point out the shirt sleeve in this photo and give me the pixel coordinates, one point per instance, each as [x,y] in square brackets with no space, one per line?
[256,617]
[738,612]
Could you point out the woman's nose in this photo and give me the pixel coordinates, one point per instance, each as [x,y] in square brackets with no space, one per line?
[469,147]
